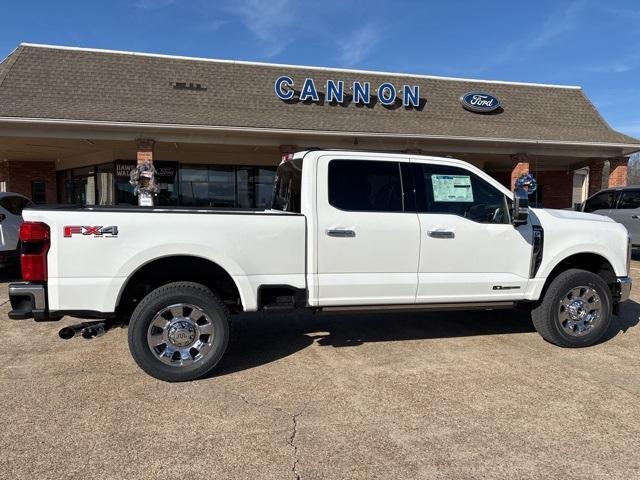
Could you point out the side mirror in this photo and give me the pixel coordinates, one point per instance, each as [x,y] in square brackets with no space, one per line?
[520,214]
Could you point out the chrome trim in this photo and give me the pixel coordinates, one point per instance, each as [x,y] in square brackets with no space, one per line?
[624,288]
[24,289]
[420,306]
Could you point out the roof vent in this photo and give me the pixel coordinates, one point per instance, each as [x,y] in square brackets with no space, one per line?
[187,86]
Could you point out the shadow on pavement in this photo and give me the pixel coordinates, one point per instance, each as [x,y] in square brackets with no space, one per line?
[264,338]
[629,317]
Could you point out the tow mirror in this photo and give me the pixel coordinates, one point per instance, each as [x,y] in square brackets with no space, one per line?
[520,214]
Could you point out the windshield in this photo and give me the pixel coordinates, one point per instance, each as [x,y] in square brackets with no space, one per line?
[286,191]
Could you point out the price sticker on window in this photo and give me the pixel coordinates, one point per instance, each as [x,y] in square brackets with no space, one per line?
[452,188]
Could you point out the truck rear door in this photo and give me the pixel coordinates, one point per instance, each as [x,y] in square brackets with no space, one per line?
[368,237]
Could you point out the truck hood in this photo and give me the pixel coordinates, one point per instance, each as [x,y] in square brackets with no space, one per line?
[573,215]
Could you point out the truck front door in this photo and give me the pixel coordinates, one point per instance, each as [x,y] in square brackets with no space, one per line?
[368,234]
[470,252]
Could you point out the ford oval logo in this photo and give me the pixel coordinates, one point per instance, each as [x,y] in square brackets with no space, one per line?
[480,102]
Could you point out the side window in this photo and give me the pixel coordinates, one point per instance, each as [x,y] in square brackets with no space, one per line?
[601,201]
[456,191]
[630,199]
[365,186]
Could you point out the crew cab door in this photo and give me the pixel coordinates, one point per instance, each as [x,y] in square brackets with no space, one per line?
[470,252]
[368,237]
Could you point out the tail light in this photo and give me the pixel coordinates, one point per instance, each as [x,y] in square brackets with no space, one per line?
[35,241]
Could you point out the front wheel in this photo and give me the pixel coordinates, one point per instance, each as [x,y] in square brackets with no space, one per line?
[575,311]
[179,332]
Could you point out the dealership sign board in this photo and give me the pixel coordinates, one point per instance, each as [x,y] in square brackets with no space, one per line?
[335,91]
[480,102]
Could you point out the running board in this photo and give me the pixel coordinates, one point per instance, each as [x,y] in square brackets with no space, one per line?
[421,307]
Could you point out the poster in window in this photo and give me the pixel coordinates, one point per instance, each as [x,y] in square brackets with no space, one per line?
[452,188]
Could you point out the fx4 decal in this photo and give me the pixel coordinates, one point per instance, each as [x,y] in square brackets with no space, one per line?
[70,230]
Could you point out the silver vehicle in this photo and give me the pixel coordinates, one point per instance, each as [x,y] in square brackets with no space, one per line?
[11,206]
[622,205]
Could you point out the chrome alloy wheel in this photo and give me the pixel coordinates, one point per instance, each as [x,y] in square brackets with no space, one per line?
[180,334]
[579,310]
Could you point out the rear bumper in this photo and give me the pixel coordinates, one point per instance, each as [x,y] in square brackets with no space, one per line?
[28,300]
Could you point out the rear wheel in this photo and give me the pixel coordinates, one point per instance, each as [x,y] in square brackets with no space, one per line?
[575,311]
[179,332]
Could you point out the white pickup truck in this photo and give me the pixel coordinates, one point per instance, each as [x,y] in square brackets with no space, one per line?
[346,230]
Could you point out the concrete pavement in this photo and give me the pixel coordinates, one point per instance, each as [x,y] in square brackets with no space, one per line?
[412,395]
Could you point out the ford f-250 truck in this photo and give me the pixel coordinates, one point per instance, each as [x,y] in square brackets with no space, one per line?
[346,230]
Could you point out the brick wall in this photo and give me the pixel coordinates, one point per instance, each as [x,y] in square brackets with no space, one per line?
[557,188]
[18,176]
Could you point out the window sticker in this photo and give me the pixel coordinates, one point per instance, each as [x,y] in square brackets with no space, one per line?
[452,188]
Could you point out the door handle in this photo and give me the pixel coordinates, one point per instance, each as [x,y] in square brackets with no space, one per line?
[634,217]
[441,234]
[341,233]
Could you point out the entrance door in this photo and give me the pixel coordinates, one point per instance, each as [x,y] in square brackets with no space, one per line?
[470,252]
[367,239]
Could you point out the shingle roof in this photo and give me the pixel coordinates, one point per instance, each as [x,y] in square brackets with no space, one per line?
[83,84]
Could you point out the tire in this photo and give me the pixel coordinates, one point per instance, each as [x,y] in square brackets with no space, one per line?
[559,318]
[179,332]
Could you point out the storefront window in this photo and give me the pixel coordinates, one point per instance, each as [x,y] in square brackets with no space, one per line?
[188,185]
[104,182]
[212,186]
[38,191]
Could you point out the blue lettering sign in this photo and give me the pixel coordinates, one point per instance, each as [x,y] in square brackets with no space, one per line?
[362,92]
[387,93]
[411,96]
[335,91]
[280,85]
[309,91]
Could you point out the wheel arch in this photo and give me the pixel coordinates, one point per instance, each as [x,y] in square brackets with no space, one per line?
[170,268]
[589,261]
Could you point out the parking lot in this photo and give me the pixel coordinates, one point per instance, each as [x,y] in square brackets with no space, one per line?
[411,395]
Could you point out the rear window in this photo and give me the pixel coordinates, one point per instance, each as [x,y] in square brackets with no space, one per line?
[286,190]
[14,204]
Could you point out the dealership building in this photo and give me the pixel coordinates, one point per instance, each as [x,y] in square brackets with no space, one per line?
[75,121]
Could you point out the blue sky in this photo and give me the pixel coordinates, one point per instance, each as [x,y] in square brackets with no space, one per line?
[591,43]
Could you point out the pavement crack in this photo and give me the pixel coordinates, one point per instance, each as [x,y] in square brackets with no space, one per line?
[291,441]
[292,444]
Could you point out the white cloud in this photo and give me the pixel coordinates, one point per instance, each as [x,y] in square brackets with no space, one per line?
[270,22]
[358,45]
[561,21]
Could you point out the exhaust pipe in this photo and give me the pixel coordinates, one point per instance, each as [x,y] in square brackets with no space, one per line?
[93,331]
[87,330]
[69,332]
